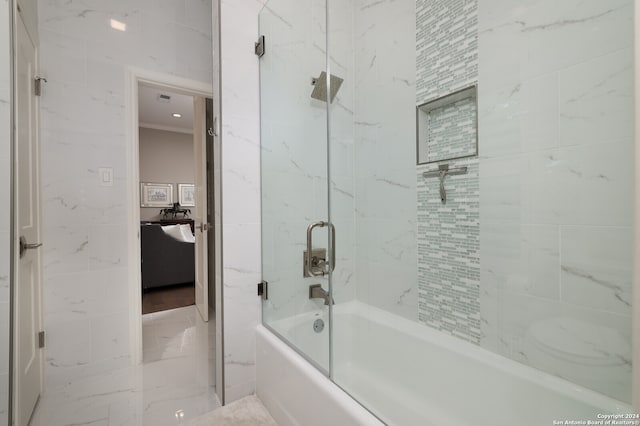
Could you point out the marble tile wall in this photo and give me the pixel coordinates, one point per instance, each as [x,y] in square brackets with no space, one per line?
[556,123]
[5,188]
[85,289]
[385,154]
[240,130]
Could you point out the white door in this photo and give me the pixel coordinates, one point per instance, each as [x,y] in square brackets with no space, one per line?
[200,216]
[28,365]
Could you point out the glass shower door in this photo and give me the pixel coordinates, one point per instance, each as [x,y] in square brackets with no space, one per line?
[294,175]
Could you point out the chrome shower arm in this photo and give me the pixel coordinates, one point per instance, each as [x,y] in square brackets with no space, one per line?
[442,172]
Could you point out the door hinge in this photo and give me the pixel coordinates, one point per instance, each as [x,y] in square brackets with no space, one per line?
[263,290]
[41,339]
[258,47]
[37,85]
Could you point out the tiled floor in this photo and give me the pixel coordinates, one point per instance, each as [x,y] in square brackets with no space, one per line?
[248,411]
[174,384]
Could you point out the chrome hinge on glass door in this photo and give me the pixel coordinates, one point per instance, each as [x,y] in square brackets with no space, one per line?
[263,290]
[315,260]
[37,85]
[258,47]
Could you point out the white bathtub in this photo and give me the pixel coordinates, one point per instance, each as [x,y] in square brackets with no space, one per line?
[407,374]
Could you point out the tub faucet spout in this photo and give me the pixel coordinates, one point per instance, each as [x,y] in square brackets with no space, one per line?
[317,292]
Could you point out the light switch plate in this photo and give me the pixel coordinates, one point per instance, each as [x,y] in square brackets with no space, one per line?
[105,174]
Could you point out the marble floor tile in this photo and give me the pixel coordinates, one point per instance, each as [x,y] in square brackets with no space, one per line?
[174,384]
[247,411]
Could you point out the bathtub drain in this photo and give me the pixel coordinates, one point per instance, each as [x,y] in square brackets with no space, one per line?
[318,325]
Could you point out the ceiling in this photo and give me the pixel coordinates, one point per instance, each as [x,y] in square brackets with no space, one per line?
[156,113]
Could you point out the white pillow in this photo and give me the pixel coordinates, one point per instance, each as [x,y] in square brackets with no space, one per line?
[187,234]
[178,232]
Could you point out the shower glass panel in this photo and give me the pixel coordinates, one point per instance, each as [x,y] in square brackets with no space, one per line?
[474,158]
[294,174]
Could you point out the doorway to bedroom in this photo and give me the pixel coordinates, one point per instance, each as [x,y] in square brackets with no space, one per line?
[167,199]
[174,139]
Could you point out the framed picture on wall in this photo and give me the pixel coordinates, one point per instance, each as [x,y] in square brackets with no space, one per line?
[156,194]
[187,194]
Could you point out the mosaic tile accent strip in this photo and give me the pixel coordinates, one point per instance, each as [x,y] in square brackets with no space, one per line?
[448,234]
[446,47]
[449,252]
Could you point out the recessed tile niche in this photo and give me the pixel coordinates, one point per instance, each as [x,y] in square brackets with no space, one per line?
[447,127]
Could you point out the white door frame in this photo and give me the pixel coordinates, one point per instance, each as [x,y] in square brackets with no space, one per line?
[133,77]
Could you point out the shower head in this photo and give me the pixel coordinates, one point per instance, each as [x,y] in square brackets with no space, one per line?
[320,86]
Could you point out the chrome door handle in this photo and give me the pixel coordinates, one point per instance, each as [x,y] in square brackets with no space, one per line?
[203,227]
[309,259]
[24,246]
[311,270]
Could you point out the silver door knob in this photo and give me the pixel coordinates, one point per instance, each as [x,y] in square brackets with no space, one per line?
[24,246]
